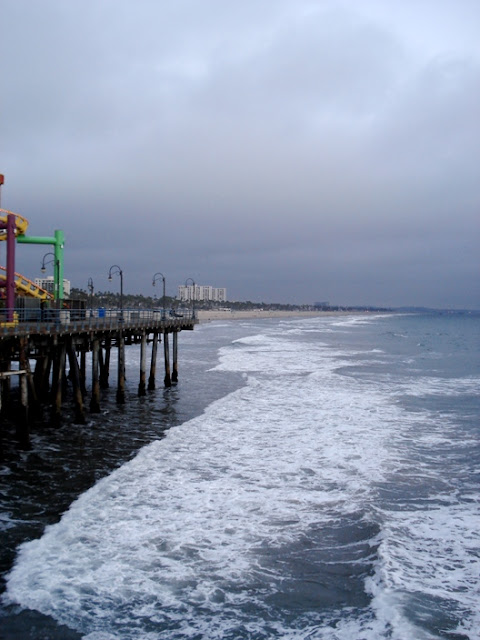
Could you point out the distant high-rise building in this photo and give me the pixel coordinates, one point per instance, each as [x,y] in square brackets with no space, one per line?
[201,293]
[48,284]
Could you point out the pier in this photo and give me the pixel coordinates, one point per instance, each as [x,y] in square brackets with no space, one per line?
[46,354]
[45,339]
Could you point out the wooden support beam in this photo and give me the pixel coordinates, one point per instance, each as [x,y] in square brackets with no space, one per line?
[105,369]
[153,363]
[22,425]
[65,377]
[83,372]
[143,365]
[6,385]
[167,381]
[77,389]
[95,399]
[24,363]
[58,375]
[175,358]
[121,368]
[41,376]
[23,418]
[101,364]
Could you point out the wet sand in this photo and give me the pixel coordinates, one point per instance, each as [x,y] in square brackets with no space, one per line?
[207,316]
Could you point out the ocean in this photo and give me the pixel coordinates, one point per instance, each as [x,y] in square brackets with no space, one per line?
[308,478]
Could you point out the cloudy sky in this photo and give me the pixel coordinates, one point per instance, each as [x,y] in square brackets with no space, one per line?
[289,150]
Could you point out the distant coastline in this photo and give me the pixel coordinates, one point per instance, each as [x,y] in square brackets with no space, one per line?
[207,315]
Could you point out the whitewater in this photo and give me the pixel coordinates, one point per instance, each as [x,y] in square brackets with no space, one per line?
[331,494]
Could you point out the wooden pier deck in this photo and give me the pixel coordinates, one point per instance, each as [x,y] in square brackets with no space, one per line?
[58,344]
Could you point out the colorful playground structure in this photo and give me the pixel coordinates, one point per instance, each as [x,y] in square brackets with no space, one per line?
[13,229]
[25,287]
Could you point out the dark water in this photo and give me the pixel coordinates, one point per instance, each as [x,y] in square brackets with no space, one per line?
[37,486]
[319,479]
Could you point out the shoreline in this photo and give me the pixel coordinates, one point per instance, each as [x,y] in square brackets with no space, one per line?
[208,316]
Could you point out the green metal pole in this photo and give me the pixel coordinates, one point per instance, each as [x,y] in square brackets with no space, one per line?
[58,242]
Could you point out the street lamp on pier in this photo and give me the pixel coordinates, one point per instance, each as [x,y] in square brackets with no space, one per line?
[163,297]
[56,272]
[90,291]
[193,295]
[115,269]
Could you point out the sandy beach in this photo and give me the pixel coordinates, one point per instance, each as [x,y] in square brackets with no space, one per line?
[207,316]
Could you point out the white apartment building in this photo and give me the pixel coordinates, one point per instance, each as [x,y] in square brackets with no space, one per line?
[201,293]
[48,284]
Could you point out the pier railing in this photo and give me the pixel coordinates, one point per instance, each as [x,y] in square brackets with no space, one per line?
[61,320]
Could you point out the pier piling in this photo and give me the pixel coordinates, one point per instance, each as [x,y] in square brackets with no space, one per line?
[167,381]
[105,369]
[58,381]
[143,365]
[95,399]
[153,362]
[175,357]
[121,368]
[77,389]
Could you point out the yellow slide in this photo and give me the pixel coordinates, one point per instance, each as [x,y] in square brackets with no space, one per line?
[26,287]
[21,223]
[23,286]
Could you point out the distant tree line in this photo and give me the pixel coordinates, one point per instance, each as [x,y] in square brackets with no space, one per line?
[111,300]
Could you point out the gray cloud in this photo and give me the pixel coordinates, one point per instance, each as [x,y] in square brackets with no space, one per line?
[291,151]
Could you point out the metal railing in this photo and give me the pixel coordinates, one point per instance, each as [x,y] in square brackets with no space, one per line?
[37,320]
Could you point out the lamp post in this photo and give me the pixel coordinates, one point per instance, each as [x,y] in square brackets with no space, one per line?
[56,272]
[115,269]
[193,295]
[90,290]
[163,297]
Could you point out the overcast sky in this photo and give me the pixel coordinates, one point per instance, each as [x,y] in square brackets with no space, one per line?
[288,150]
